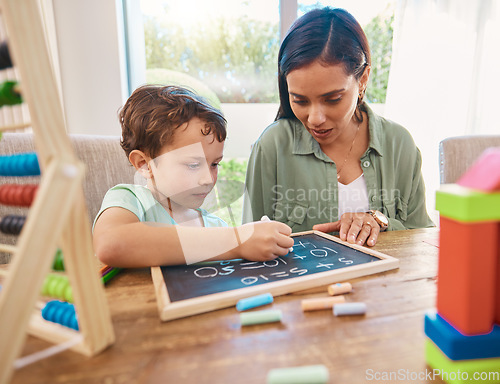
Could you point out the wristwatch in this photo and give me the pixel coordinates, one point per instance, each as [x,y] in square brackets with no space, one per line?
[380,218]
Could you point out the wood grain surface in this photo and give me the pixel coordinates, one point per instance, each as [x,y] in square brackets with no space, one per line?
[214,348]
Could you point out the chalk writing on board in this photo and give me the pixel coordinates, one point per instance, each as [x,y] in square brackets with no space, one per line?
[311,254]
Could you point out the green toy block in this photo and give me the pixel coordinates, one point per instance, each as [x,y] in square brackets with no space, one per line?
[467,205]
[484,371]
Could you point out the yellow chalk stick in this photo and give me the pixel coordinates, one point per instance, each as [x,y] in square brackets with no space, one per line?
[339,288]
[321,303]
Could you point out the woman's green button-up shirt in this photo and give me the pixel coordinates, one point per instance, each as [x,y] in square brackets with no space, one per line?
[290,179]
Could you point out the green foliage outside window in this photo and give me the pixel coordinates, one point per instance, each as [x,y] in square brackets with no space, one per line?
[237,58]
[230,188]
[379,33]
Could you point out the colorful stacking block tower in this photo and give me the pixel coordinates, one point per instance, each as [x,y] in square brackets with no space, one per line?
[463,336]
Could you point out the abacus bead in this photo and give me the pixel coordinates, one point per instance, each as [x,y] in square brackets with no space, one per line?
[15,225]
[50,284]
[56,314]
[66,315]
[6,223]
[11,193]
[60,288]
[49,310]
[18,195]
[34,165]
[19,167]
[58,264]
[68,293]
[25,195]
[33,191]
[20,224]
[74,323]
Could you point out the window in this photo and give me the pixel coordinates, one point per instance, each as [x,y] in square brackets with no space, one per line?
[227,51]
[376,18]
[229,46]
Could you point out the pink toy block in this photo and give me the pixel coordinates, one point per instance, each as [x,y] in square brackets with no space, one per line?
[484,174]
[467,275]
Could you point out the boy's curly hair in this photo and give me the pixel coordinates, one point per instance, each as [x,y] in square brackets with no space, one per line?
[152,113]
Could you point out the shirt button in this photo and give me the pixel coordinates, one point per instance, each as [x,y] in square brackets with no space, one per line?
[366,164]
[374,198]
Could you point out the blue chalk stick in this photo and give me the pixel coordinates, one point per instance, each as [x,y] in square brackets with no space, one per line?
[255,301]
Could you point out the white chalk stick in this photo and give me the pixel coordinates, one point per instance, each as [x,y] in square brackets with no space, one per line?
[346,309]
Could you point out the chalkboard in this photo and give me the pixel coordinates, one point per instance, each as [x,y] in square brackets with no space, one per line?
[317,259]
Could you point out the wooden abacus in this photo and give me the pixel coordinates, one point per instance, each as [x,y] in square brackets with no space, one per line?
[57,216]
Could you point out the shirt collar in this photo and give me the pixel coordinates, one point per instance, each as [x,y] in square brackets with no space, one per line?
[304,143]
[376,130]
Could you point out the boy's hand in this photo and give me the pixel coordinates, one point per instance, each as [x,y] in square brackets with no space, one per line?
[264,240]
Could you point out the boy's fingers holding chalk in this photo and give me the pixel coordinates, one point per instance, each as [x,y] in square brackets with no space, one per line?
[285,242]
[282,227]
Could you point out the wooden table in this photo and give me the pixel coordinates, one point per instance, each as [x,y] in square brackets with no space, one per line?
[214,348]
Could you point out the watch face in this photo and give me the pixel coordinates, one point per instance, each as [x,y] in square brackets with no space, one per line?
[381,217]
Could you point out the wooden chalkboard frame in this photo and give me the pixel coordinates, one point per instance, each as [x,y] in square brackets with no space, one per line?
[169,310]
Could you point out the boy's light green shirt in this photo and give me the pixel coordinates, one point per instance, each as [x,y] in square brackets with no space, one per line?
[290,179]
[140,201]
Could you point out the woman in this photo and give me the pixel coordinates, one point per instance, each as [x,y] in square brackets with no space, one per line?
[328,162]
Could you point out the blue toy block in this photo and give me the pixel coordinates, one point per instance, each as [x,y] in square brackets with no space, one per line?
[457,346]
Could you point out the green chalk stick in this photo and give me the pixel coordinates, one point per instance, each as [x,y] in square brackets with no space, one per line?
[259,317]
[309,374]
[112,273]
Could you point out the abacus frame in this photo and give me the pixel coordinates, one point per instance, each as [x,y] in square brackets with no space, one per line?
[60,192]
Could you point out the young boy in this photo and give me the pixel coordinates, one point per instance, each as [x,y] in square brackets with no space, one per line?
[175,141]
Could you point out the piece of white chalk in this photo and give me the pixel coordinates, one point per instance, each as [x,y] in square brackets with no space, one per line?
[309,374]
[254,301]
[266,218]
[346,309]
[339,288]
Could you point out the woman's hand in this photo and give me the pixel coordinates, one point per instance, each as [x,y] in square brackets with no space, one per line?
[355,228]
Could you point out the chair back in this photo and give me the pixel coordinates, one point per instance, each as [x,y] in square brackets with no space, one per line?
[457,154]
